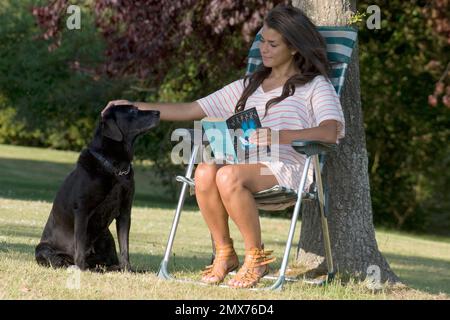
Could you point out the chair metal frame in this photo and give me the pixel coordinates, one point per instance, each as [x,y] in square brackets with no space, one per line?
[312,149]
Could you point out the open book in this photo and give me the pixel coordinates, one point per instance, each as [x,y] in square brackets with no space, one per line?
[229,138]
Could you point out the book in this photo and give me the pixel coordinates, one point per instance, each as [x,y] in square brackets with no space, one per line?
[229,138]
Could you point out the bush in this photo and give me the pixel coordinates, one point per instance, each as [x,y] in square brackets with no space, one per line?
[407,140]
[55,105]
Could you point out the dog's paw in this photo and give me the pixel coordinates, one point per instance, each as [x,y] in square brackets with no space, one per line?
[113,268]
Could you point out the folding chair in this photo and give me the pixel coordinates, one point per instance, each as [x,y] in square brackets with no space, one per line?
[340,42]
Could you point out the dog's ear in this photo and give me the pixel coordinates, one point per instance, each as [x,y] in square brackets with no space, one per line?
[111,130]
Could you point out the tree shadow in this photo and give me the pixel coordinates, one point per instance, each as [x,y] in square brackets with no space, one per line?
[426,274]
[33,180]
[21,248]
[141,262]
[150,263]
[17,230]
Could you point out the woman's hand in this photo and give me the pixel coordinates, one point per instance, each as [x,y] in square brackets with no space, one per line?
[261,137]
[115,103]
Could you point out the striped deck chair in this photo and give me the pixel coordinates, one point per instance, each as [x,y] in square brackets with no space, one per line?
[340,42]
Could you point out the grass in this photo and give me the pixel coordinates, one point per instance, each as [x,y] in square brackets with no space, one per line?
[30,177]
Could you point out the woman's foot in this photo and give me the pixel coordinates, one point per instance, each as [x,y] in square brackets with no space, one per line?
[225,261]
[254,268]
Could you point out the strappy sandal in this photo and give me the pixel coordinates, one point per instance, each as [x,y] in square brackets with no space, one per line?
[247,276]
[223,254]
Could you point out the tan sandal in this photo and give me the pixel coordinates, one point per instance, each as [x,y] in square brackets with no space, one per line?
[223,254]
[247,275]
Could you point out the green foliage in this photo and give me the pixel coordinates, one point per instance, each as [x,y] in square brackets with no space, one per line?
[54,104]
[357,18]
[407,140]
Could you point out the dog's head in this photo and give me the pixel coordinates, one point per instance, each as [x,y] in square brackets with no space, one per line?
[126,122]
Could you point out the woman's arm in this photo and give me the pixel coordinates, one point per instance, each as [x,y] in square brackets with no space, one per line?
[168,111]
[326,132]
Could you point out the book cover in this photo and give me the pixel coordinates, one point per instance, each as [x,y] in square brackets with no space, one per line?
[229,138]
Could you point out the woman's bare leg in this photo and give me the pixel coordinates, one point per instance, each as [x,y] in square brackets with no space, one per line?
[212,209]
[210,203]
[236,185]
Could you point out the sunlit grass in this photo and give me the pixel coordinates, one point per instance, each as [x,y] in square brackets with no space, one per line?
[26,192]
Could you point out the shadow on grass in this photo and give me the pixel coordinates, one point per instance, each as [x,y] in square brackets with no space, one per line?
[40,180]
[140,262]
[150,263]
[15,230]
[426,274]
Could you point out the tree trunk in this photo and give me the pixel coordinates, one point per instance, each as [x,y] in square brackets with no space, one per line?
[350,218]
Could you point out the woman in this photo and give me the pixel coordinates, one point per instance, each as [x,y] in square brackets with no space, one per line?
[293,96]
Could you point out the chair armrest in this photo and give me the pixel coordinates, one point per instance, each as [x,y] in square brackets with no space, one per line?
[312,147]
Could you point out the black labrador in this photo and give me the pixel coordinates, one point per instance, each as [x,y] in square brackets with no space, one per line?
[99,190]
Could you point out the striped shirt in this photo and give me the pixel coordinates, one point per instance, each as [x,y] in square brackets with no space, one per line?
[311,104]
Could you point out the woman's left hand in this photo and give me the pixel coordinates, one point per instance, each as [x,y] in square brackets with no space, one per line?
[261,136]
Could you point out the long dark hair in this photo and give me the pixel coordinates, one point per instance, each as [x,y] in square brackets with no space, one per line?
[299,33]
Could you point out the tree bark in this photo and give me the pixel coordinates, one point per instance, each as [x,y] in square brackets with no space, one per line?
[352,232]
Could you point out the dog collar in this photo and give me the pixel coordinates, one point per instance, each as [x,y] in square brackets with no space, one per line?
[108,166]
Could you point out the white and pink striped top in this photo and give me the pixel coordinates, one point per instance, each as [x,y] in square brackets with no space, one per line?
[311,104]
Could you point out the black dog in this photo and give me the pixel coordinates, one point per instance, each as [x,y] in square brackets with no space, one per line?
[99,190]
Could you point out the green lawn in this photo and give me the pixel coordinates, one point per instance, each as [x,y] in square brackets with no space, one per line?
[28,182]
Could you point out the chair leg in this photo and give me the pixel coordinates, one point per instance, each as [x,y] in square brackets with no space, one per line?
[281,278]
[323,218]
[163,272]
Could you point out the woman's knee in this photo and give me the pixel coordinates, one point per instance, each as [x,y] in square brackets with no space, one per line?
[205,177]
[228,180]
